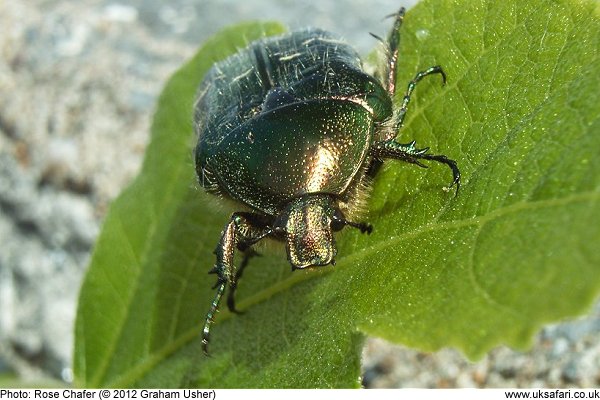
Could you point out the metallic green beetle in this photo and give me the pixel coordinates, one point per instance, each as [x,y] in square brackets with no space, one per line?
[293,129]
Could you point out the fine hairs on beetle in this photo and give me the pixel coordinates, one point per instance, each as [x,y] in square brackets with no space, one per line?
[292,129]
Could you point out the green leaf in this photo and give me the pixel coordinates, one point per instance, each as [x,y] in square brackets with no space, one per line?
[516,249]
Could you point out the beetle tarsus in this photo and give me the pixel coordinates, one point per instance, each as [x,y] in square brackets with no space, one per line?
[410,153]
[451,164]
[436,69]
[214,307]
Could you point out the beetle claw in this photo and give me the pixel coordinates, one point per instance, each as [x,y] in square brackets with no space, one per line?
[420,164]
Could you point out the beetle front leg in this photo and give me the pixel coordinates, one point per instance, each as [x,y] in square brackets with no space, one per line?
[242,230]
[409,153]
[248,254]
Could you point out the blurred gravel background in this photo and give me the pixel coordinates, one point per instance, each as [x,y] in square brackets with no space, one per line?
[78,85]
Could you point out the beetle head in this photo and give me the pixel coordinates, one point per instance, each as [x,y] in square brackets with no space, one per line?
[308,224]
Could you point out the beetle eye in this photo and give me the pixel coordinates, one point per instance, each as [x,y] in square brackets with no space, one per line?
[337,221]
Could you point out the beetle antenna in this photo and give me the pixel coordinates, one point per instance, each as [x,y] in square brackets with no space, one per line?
[363,226]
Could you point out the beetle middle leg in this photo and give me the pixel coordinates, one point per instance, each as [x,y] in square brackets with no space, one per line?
[242,230]
[389,147]
[409,153]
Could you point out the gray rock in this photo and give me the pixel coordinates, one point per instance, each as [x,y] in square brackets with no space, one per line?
[563,355]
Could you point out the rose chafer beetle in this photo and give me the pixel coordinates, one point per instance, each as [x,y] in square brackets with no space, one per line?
[293,130]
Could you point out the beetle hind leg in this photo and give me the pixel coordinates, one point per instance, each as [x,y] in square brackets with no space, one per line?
[393,42]
[389,147]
